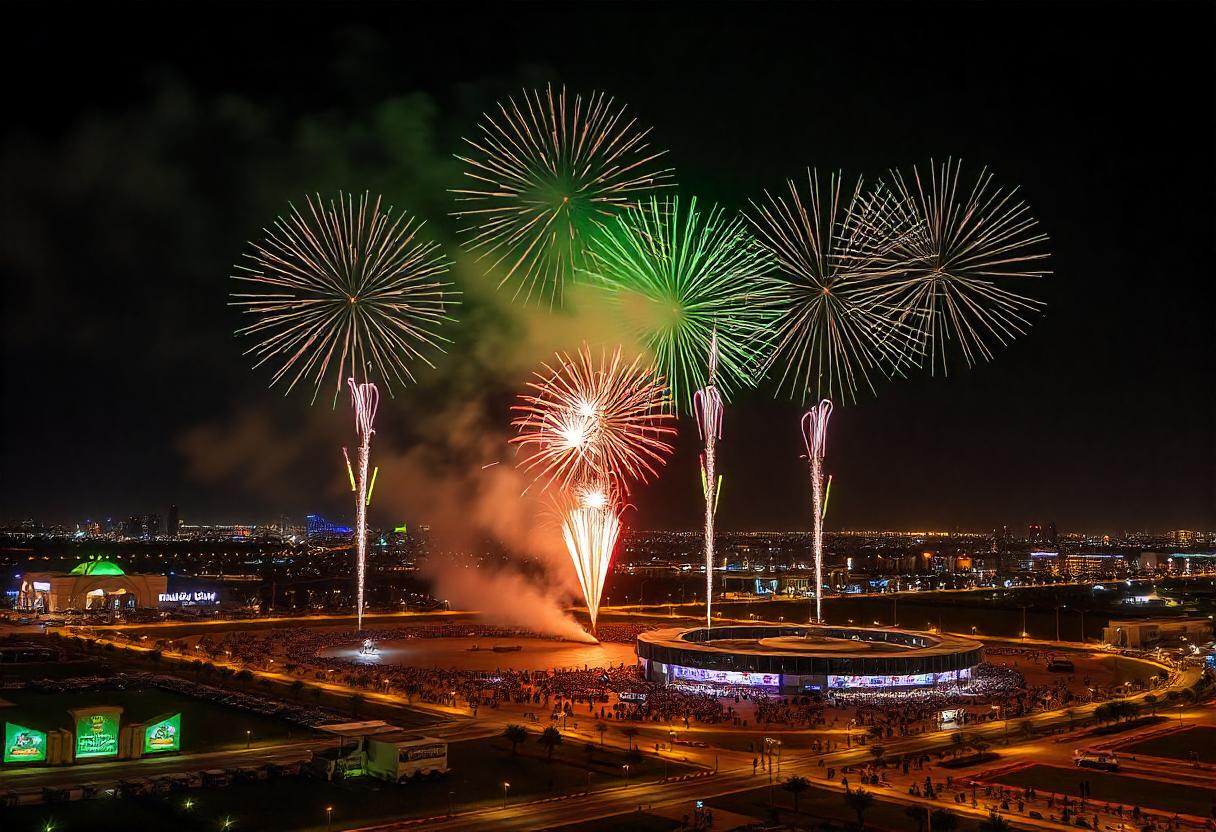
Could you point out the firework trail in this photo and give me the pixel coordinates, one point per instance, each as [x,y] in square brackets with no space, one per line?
[344,290]
[815,436]
[707,408]
[679,278]
[365,399]
[587,428]
[546,173]
[967,246]
[833,248]
[594,420]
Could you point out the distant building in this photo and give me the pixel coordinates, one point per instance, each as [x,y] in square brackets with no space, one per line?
[319,527]
[93,584]
[133,527]
[1034,533]
[1052,537]
[1141,633]
[152,525]
[173,522]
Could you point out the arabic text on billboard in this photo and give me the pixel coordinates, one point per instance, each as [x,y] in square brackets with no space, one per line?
[97,735]
[23,745]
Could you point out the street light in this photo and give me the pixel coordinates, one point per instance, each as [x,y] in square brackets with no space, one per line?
[248,737]
[329,818]
[625,770]
[506,787]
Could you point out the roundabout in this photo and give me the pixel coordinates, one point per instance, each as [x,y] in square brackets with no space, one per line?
[792,660]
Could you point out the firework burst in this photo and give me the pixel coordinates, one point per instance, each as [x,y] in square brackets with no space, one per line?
[591,524]
[678,275]
[342,290]
[832,245]
[546,173]
[969,244]
[589,420]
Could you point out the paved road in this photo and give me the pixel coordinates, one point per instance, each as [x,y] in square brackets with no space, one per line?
[113,771]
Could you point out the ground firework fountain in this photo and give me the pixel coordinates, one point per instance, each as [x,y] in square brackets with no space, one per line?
[815,435]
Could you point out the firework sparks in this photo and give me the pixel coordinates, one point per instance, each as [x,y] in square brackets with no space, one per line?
[967,247]
[547,172]
[591,525]
[815,436]
[678,276]
[344,291]
[338,289]
[833,248]
[589,419]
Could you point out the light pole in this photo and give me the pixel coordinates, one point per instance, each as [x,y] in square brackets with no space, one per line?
[248,738]
[1180,715]
[506,787]
[329,818]
[625,771]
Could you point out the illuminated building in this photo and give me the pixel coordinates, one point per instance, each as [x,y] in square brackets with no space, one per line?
[93,584]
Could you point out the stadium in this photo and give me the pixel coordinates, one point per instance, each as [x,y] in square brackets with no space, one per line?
[791,660]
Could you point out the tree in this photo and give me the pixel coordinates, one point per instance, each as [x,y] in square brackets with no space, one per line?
[959,740]
[296,687]
[244,676]
[796,786]
[918,815]
[877,752]
[980,745]
[601,727]
[550,738]
[1151,700]
[994,823]
[860,801]
[356,699]
[1071,713]
[155,656]
[943,820]
[630,732]
[514,734]
[1026,727]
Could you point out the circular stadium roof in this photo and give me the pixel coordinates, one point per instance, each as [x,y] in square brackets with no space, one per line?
[97,567]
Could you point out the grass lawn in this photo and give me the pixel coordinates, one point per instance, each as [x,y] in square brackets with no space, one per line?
[1200,739]
[1106,786]
[818,805]
[479,768]
[206,726]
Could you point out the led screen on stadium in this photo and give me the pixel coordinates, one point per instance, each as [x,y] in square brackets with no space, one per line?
[726,677]
[909,681]
[164,735]
[23,745]
[97,733]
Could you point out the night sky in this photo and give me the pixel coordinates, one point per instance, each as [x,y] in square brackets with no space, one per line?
[142,147]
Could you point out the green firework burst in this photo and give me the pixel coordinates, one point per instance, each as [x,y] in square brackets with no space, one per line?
[677,274]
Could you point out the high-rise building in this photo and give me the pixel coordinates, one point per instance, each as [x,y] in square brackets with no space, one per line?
[133,527]
[1052,536]
[1034,533]
[152,525]
[173,522]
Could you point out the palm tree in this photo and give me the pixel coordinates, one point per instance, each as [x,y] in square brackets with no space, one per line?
[601,727]
[1151,701]
[995,823]
[860,801]
[979,745]
[630,732]
[796,785]
[514,734]
[959,741]
[550,738]
[943,820]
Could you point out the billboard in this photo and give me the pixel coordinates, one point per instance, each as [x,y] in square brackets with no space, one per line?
[164,735]
[96,732]
[726,677]
[23,745]
[911,680]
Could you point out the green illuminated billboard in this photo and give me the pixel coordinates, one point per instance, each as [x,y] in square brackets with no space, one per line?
[96,732]
[164,735]
[23,745]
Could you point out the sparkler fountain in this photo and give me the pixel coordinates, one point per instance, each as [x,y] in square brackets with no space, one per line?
[590,527]
[815,435]
[707,407]
[365,398]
